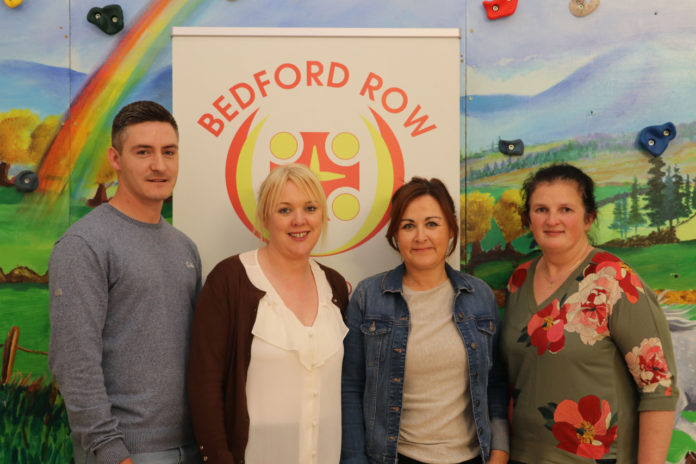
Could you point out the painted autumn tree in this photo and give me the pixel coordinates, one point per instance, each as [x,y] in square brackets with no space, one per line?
[476,219]
[104,178]
[16,127]
[506,214]
[42,136]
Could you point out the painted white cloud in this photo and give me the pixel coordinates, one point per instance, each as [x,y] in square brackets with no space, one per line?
[524,76]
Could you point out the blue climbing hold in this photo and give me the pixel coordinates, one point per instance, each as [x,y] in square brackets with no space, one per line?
[656,138]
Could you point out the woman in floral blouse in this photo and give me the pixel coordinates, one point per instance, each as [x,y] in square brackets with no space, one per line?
[587,347]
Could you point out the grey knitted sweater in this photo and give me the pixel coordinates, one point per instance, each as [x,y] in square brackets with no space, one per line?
[122,299]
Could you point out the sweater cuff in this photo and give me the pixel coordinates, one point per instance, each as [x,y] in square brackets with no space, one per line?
[500,435]
[112,452]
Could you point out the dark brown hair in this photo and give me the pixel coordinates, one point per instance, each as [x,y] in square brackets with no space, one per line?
[136,113]
[417,187]
[556,172]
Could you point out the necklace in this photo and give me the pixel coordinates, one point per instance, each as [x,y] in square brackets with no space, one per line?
[562,275]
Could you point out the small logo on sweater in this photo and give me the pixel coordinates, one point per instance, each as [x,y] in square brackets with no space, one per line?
[190,265]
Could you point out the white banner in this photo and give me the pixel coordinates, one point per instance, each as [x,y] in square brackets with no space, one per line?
[366,109]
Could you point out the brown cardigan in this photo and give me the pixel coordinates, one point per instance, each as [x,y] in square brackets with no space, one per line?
[220,355]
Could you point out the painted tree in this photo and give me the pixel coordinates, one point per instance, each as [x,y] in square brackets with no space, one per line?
[476,220]
[669,208]
[693,196]
[104,178]
[16,127]
[506,214]
[635,218]
[680,200]
[620,222]
[655,196]
[688,194]
[42,136]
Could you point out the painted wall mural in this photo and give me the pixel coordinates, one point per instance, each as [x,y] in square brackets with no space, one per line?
[581,89]
[556,83]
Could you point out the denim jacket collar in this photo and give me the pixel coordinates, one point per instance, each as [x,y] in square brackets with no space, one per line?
[393,280]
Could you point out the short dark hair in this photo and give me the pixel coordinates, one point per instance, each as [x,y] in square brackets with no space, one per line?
[555,172]
[136,113]
[417,187]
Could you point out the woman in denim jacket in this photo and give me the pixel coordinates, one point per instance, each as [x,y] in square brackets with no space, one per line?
[445,402]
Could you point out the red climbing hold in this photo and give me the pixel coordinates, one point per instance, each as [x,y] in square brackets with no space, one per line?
[499,8]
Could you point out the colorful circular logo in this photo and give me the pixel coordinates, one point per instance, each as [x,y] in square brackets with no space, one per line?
[358,175]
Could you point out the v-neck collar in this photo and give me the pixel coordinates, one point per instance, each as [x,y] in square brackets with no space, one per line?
[562,289]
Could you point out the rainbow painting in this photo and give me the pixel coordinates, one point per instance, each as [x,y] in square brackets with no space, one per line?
[75,151]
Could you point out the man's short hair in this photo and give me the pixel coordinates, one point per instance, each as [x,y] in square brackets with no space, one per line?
[136,113]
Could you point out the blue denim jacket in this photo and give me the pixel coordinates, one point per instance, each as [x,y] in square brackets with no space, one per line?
[375,359]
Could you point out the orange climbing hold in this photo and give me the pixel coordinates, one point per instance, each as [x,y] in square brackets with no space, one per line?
[499,8]
[582,8]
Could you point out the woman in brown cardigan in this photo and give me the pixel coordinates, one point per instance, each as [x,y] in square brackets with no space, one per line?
[267,343]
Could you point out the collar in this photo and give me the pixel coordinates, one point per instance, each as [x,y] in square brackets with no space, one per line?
[392,282]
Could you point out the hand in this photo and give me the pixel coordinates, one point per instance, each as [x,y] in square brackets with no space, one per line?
[498,457]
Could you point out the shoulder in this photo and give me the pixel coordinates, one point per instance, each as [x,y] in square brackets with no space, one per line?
[518,276]
[338,284]
[477,284]
[332,274]
[605,264]
[181,237]
[227,268]
[87,235]
[91,224]
[372,284]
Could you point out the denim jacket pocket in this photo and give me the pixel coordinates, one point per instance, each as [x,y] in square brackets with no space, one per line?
[486,325]
[376,333]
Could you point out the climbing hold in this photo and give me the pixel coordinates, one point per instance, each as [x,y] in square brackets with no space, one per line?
[26,181]
[511,147]
[499,8]
[656,138]
[109,19]
[13,3]
[582,8]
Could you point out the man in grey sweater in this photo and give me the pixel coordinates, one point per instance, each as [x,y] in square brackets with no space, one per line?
[123,286]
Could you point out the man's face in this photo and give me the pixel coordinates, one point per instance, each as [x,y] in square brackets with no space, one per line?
[148,162]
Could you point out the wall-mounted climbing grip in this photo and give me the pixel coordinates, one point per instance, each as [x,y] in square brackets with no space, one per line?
[582,8]
[13,3]
[511,147]
[499,8]
[656,138]
[109,18]
[26,181]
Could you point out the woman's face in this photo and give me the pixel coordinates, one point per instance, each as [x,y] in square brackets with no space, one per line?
[557,216]
[294,223]
[423,235]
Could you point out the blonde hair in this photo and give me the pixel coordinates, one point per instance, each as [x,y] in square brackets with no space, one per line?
[273,185]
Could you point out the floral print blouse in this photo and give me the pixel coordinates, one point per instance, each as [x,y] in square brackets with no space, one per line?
[584,363]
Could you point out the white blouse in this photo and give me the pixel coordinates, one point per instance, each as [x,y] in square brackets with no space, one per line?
[293,384]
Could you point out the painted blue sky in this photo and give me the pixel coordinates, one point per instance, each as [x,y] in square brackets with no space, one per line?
[522,54]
